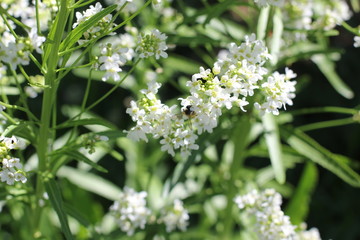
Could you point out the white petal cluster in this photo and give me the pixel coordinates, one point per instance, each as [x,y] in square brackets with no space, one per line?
[110,61]
[155,118]
[236,75]
[27,12]
[97,28]
[279,91]
[152,45]
[300,15]
[175,217]
[357,41]
[331,13]
[271,222]
[11,169]
[311,234]
[130,210]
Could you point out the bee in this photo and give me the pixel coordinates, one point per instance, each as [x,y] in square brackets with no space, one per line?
[188,111]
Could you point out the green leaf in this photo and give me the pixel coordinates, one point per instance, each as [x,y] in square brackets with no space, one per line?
[298,207]
[75,213]
[87,121]
[181,64]
[327,67]
[50,39]
[277,35]
[77,33]
[216,10]
[55,198]
[309,148]
[274,146]
[74,154]
[262,23]
[22,129]
[90,182]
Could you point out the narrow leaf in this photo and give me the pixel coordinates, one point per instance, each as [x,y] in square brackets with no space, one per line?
[298,207]
[309,148]
[55,198]
[87,121]
[90,182]
[277,35]
[274,146]
[262,23]
[82,158]
[327,67]
[77,33]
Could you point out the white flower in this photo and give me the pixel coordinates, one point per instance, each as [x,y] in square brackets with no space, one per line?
[93,31]
[152,44]
[311,234]
[357,41]
[130,210]
[8,175]
[271,222]
[36,41]
[111,60]
[13,143]
[175,217]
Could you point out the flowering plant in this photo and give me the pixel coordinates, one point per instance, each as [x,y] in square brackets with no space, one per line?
[160,119]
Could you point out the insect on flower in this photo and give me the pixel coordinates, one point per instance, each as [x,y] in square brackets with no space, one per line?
[188,111]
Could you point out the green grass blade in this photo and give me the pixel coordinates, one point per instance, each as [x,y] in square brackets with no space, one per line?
[327,67]
[298,207]
[309,148]
[274,146]
[55,198]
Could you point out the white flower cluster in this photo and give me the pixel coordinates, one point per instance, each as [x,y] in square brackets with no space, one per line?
[11,169]
[152,44]
[279,91]
[302,15]
[17,52]
[130,211]
[271,222]
[153,117]
[98,28]
[311,234]
[24,10]
[357,41]
[233,78]
[114,54]
[175,217]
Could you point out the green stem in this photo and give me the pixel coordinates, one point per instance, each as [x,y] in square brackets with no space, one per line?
[327,124]
[240,139]
[47,104]
[324,110]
